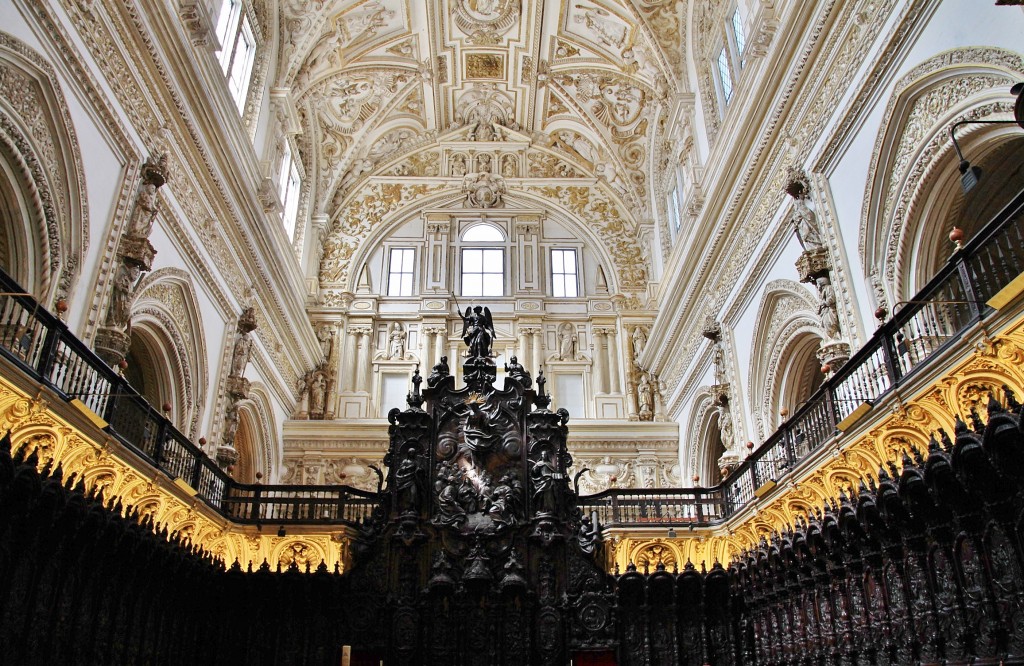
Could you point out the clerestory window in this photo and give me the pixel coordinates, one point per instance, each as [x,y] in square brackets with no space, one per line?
[237,49]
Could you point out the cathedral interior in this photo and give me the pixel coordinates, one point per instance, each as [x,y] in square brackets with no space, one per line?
[499,332]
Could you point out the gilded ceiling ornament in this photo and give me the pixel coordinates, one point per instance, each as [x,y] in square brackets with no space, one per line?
[484,21]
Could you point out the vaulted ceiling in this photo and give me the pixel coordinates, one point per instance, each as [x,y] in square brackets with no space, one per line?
[579,91]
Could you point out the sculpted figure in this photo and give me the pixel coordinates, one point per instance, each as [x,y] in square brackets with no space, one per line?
[567,343]
[518,372]
[438,372]
[827,308]
[806,224]
[144,213]
[396,348]
[119,310]
[477,331]
[317,392]
[645,398]
[639,340]
[459,165]
[240,356]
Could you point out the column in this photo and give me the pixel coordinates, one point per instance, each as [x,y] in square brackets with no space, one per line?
[439,343]
[363,359]
[524,347]
[427,348]
[348,360]
[613,363]
[599,360]
[535,356]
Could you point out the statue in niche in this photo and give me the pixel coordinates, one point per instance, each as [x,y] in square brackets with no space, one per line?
[407,481]
[639,341]
[543,474]
[119,310]
[396,341]
[827,308]
[438,372]
[805,222]
[240,355]
[315,384]
[144,213]
[459,166]
[568,343]
[477,332]
[508,167]
[725,426]
[325,334]
[645,398]
[243,342]
[516,371]
[483,189]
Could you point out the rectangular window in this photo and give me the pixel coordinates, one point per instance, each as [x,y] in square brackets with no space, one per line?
[237,49]
[739,38]
[565,282]
[483,272]
[293,187]
[400,272]
[241,64]
[674,211]
[724,75]
[227,31]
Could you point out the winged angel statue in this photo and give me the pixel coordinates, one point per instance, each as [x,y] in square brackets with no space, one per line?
[478,331]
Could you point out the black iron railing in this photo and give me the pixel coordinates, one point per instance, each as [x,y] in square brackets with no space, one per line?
[950,304]
[935,319]
[42,346]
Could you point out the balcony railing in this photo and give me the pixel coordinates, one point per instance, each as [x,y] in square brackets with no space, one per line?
[42,346]
[950,304]
[954,301]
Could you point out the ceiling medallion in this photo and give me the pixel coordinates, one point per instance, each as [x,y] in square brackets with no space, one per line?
[485,20]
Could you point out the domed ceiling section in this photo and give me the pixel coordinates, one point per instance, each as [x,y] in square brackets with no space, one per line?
[400,103]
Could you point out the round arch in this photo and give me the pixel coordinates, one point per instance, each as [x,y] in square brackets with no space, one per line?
[360,256]
[786,337]
[42,185]
[166,322]
[254,439]
[912,179]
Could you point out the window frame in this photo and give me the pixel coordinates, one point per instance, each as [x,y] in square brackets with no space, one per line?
[483,272]
[289,189]
[389,254]
[577,272]
[463,245]
[235,27]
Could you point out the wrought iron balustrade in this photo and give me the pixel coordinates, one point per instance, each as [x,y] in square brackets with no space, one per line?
[950,304]
[953,301]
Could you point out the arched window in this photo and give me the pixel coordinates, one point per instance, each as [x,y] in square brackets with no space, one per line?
[482,259]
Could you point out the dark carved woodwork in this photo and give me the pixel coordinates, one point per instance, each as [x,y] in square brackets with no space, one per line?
[478,555]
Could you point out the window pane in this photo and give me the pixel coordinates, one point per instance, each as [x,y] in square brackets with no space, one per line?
[406,260]
[483,232]
[494,261]
[737,29]
[472,284]
[227,29]
[564,274]
[472,261]
[494,285]
[725,76]
[400,272]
